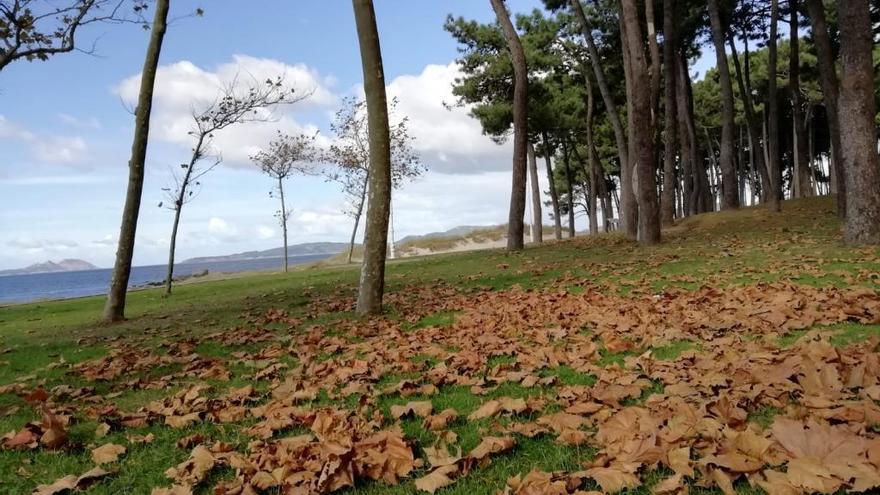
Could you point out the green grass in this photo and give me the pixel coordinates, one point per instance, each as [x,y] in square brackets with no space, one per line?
[721,250]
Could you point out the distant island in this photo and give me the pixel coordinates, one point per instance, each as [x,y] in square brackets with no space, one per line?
[310,248]
[68,265]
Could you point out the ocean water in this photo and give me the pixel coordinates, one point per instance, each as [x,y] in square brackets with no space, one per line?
[63,285]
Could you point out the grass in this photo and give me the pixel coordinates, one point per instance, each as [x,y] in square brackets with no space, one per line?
[721,250]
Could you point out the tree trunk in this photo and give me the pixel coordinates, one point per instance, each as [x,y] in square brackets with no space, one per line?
[641,133]
[372,282]
[654,51]
[670,48]
[773,112]
[169,271]
[283,220]
[858,132]
[752,123]
[114,309]
[537,229]
[594,162]
[729,194]
[357,216]
[828,79]
[554,195]
[570,185]
[520,128]
[801,154]
[628,211]
[685,135]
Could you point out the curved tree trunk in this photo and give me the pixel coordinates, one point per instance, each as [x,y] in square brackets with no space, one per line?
[641,132]
[670,48]
[752,123]
[372,282]
[685,136]
[628,209]
[357,217]
[114,309]
[520,128]
[283,220]
[828,79]
[554,195]
[537,229]
[169,270]
[858,131]
[773,112]
[729,188]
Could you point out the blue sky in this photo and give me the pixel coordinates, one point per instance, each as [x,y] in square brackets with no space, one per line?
[65,130]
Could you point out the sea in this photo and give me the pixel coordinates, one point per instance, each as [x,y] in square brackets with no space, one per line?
[64,285]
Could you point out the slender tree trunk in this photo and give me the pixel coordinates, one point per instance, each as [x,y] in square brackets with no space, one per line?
[283,220]
[570,185]
[554,194]
[357,216]
[520,127]
[729,196]
[751,120]
[178,208]
[670,48]
[858,130]
[169,271]
[641,133]
[537,229]
[828,79]
[594,162]
[773,112]
[654,69]
[686,136]
[114,309]
[802,173]
[628,211]
[372,282]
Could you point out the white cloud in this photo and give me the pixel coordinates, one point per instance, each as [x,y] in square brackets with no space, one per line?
[449,140]
[265,232]
[47,245]
[45,147]
[87,123]
[183,88]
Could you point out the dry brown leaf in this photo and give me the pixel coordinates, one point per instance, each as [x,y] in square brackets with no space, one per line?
[419,408]
[613,479]
[438,478]
[107,453]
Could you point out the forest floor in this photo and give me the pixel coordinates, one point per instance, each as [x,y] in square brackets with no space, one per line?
[739,356]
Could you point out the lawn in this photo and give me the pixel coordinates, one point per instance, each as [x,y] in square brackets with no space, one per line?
[740,355]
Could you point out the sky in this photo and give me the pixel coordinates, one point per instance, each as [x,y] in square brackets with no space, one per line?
[66,128]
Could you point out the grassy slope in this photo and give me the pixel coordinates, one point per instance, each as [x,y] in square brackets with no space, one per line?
[802,244]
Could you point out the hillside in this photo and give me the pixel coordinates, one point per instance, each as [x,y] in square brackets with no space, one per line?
[66,265]
[734,357]
[292,250]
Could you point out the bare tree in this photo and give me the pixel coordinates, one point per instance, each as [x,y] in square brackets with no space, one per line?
[233,106]
[38,29]
[350,152]
[372,283]
[285,156]
[520,127]
[114,309]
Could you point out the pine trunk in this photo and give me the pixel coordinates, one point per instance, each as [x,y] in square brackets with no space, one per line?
[729,193]
[776,195]
[670,48]
[641,132]
[537,229]
[802,173]
[554,195]
[520,128]
[858,132]
[114,309]
[829,82]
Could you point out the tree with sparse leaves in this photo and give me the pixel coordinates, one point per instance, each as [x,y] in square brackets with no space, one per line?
[286,155]
[233,106]
[350,155]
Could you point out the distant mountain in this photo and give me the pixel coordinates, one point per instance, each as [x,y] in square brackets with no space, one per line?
[69,265]
[308,248]
[460,231]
